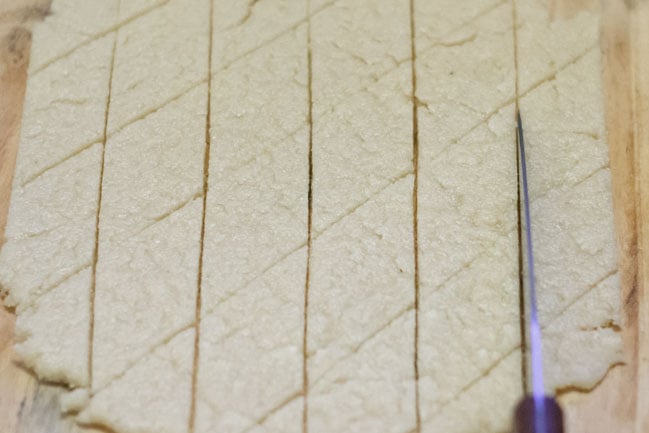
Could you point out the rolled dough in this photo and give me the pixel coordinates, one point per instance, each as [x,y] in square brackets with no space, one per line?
[310,302]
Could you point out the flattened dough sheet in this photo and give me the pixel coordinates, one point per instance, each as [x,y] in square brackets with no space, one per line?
[346,257]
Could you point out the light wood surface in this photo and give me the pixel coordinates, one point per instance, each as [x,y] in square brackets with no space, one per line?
[620,403]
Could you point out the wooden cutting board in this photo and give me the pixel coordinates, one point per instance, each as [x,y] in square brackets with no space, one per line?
[620,402]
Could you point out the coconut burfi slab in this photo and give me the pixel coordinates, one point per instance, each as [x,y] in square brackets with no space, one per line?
[300,216]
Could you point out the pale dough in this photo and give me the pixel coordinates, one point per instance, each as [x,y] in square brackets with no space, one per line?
[269,59]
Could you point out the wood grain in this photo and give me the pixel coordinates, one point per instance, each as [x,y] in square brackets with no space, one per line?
[640,72]
[620,403]
[612,406]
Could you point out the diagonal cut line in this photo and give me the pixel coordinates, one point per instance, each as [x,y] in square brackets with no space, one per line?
[262,419]
[44,170]
[34,301]
[145,114]
[485,373]
[583,294]
[591,175]
[571,186]
[359,345]
[100,35]
[178,207]
[37,234]
[163,341]
[362,203]
[250,282]
[553,75]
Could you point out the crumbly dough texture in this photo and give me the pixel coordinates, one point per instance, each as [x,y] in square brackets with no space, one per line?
[111,161]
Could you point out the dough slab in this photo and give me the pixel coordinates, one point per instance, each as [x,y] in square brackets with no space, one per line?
[282,284]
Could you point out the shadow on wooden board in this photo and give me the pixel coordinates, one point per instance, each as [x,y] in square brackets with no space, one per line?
[620,403]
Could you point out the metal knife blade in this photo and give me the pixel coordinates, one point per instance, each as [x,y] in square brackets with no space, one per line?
[541,413]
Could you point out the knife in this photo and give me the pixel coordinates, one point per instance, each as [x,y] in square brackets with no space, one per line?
[536,412]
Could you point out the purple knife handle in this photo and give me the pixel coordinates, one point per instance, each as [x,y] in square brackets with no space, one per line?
[525,414]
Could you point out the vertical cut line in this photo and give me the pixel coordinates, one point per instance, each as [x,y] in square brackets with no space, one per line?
[95,253]
[307,279]
[521,293]
[415,221]
[515,44]
[206,178]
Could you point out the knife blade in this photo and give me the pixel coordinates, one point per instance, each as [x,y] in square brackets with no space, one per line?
[537,412]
